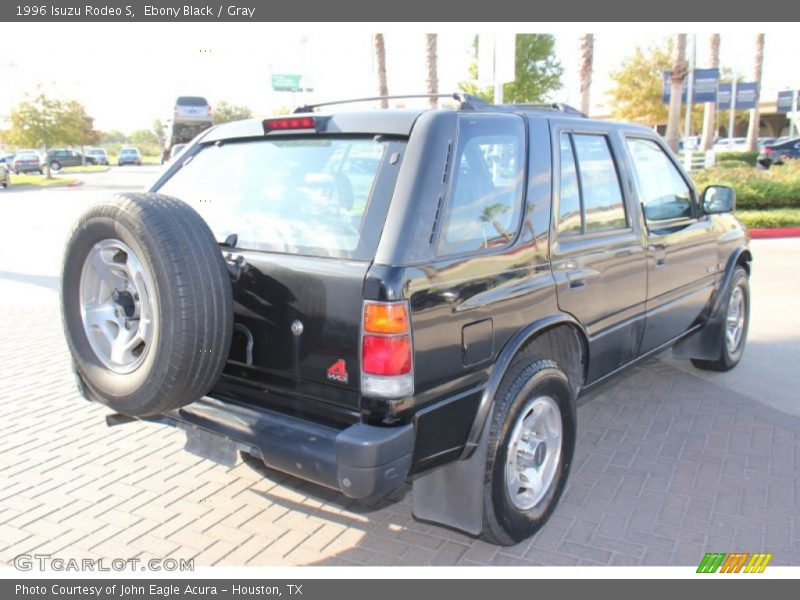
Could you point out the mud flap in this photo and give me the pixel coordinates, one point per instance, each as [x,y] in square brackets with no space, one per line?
[452,495]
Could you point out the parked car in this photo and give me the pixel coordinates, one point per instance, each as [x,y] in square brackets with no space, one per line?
[191,116]
[191,110]
[775,154]
[738,144]
[8,161]
[64,157]
[99,155]
[26,161]
[5,177]
[129,156]
[435,326]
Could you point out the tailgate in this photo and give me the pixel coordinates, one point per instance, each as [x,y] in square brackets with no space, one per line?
[300,317]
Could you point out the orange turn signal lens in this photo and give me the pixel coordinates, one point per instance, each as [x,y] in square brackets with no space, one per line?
[385,318]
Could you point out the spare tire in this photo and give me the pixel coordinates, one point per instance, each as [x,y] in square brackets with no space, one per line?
[146,304]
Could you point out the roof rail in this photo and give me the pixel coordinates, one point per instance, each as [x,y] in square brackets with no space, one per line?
[558,106]
[466,101]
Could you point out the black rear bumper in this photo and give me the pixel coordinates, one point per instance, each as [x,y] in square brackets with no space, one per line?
[360,460]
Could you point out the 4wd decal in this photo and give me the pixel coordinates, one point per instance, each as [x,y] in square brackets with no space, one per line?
[338,371]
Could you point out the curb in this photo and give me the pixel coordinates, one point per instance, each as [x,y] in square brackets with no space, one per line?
[778,232]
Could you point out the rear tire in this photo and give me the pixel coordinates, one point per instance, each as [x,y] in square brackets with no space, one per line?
[146,303]
[533,390]
[55,166]
[734,328]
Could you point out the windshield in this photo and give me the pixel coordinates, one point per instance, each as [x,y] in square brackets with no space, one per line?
[300,195]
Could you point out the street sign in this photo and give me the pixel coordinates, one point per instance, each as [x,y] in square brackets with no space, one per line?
[745,96]
[283,82]
[705,86]
[785,101]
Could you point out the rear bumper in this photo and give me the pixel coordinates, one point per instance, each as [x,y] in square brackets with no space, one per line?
[360,461]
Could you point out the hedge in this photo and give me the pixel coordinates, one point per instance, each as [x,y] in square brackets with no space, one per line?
[747,157]
[756,189]
[769,219]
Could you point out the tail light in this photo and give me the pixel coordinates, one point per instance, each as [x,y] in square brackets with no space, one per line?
[387,366]
[768,151]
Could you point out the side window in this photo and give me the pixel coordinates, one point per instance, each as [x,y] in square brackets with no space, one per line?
[569,200]
[485,200]
[662,191]
[603,208]
[590,194]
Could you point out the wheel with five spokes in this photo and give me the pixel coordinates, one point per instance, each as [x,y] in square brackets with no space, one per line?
[736,319]
[531,444]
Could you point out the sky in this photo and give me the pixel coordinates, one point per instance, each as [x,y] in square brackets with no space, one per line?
[128,74]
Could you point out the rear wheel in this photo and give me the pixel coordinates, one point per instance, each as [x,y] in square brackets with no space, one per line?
[734,330]
[146,303]
[531,444]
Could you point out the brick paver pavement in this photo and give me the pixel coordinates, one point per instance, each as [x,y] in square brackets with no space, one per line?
[668,466]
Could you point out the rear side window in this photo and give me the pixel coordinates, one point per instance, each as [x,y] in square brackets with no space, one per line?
[297,195]
[664,194]
[484,207]
[590,194]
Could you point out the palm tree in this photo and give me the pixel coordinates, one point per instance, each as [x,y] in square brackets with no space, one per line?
[758,66]
[430,60]
[710,111]
[380,60]
[676,89]
[587,58]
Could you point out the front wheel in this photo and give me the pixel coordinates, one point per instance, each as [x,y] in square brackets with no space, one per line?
[531,445]
[733,336]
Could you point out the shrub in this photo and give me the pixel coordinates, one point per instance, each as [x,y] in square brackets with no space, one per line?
[768,219]
[747,157]
[756,189]
[732,164]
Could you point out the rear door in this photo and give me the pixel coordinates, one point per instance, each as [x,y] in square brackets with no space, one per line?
[306,212]
[682,257]
[598,256]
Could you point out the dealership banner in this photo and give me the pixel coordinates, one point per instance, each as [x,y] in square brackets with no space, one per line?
[704,86]
[746,96]
[785,101]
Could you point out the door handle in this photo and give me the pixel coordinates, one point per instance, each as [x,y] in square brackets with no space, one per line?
[659,254]
[577,278]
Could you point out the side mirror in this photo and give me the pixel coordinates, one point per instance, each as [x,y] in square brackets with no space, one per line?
[719,199]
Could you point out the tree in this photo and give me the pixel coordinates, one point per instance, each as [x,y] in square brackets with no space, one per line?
[47,122]
[380,64]
[677,76]
[587,58]
[758,67]
[537,71]
[161,132]
[710,110]
[431,43]
[637,92]
[225,113]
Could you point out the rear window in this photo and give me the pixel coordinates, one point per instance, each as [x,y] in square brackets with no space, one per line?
[192,101]
[298,195]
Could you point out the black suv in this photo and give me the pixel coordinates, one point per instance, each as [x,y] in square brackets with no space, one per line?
[377,297]
[64,157]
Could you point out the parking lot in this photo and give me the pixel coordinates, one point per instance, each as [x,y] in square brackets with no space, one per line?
[671,462]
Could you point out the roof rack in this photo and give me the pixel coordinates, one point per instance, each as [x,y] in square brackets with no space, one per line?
[466,101]
[557,106]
